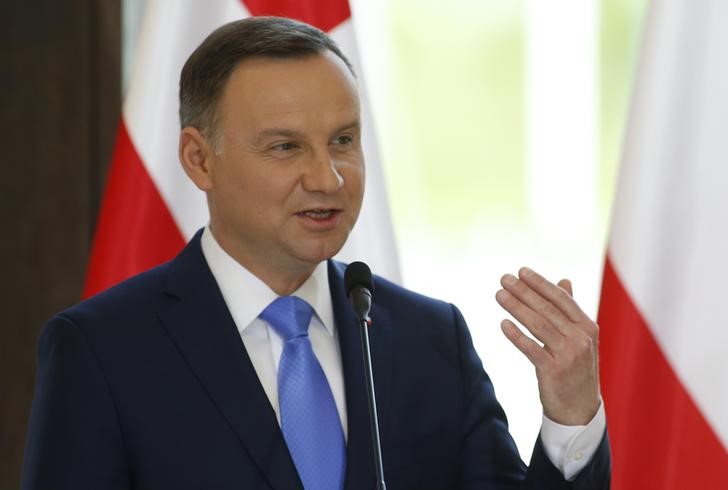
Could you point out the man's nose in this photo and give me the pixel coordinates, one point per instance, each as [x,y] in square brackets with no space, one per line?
[321,174]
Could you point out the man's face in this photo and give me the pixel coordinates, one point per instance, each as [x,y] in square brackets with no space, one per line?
[287,185]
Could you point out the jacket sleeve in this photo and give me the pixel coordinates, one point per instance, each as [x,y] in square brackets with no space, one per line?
[74,440]
[490,458]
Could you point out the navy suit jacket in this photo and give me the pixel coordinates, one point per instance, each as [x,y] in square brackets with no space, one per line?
[148,386]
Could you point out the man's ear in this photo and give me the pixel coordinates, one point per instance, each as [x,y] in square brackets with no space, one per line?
[197,157]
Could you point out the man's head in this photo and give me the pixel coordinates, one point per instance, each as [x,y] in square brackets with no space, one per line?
[276,147]
[208,68]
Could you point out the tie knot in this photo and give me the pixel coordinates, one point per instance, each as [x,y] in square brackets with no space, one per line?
[289,316]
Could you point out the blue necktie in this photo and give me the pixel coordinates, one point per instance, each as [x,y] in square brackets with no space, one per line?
[309,418]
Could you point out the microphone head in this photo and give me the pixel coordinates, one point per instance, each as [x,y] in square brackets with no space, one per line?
[358,274]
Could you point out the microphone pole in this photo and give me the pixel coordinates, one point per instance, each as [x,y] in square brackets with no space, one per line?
[359,287]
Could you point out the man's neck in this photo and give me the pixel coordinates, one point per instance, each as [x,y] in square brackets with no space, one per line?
[283,280]
[282,283]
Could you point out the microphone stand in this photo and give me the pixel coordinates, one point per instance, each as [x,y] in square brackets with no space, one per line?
[373,419]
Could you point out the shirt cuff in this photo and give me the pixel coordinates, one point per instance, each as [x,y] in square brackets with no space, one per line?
[571,447]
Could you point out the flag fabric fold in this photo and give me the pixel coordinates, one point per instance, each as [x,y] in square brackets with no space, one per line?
[664,337]
[150,208]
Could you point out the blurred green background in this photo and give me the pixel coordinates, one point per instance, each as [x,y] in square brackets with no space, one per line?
[452,121]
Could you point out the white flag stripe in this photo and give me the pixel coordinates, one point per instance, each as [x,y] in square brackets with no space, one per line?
[669,240]
[169,33]
[171,30]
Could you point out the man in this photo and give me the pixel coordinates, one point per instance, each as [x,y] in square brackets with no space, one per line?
[148,385]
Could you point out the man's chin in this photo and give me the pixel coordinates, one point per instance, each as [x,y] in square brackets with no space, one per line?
[321,252]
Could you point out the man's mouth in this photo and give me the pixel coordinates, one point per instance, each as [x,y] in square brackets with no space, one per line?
[318,213]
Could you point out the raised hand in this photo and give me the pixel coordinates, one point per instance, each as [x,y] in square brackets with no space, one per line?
[567,363]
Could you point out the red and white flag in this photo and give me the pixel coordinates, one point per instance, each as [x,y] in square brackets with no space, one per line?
[663,311]
[150,208]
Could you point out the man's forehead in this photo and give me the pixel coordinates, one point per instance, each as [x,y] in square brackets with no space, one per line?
[285,93]
[287,79]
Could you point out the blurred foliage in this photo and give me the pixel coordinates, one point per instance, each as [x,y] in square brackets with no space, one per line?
[458,100]
[454,146]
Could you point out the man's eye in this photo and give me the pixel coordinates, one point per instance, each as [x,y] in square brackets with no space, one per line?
[344,140]
[287,146]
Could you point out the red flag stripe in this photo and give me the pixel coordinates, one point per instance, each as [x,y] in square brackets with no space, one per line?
[659,437]
[324,14]
[135,229]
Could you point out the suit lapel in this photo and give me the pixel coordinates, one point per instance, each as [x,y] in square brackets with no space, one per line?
[360,472]
[206,335]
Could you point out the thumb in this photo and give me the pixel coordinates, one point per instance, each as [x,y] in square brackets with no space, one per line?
[566,285]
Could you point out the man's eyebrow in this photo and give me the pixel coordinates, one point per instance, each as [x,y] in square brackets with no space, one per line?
[276,132]
[355,124]
[292,133]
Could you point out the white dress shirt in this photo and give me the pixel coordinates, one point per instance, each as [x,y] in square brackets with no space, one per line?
[568,447]
[246,297]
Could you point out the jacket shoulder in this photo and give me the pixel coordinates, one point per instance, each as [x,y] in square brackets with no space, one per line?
[131,298]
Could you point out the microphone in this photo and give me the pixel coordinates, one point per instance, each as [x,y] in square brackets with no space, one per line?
[359,287]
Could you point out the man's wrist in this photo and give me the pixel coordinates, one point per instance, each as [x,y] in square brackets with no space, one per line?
[570,448]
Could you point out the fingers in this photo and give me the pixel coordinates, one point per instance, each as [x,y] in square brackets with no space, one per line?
[534,352]
[560,297]
[565,284]
[547,310]
[534,314]
[532,309]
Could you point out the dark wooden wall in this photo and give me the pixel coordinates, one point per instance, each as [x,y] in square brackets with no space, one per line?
[59,108]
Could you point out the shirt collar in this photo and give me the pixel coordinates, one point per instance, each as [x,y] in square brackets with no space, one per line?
[246,296]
